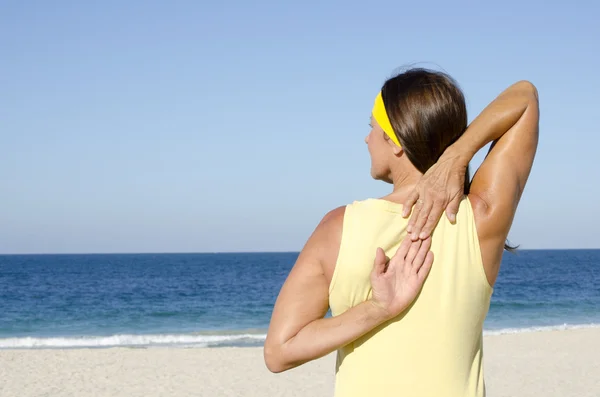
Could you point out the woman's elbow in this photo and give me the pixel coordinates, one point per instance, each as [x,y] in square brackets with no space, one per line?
[526,87]
[274,359]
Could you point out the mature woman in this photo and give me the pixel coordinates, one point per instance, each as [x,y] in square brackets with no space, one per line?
[403,326]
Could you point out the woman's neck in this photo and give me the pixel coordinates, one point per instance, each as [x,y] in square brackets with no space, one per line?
[404,183]
[404,176]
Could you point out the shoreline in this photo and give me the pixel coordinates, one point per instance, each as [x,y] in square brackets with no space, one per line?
[251,338]
[550,363]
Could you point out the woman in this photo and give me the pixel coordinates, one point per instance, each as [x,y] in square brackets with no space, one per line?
[402,326]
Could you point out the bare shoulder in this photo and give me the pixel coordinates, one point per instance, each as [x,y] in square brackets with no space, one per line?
[492,247]
[327,238]
[481,209]
[334,218]
[479,205]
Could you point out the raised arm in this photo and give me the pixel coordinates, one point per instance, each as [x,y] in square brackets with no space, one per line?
[511,122]
[299,332]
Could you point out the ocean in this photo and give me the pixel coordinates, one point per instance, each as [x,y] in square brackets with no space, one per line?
[211,300]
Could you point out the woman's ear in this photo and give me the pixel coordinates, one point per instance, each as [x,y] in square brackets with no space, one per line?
[395,148]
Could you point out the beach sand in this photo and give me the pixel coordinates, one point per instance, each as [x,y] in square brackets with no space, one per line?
[549,363]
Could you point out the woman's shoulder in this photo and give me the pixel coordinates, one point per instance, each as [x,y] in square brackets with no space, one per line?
[327,239]
[481,212]
[333,218]
[490,244]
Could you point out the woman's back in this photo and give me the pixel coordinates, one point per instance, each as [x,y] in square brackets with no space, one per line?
[435,347]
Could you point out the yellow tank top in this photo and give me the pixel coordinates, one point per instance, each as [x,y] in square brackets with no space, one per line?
[435,347]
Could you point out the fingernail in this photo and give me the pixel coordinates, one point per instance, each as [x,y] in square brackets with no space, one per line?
[409,228]
[453,218]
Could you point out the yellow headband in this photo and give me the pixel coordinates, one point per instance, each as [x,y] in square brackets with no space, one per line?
[380,115]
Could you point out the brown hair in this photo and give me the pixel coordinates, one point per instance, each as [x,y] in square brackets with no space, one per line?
[428,113]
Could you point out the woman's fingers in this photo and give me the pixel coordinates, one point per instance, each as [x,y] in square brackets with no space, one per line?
[403,248]
[425,268]
[432,219]
[421,217]
[452,209]
[380,262]
[409,203]
[414,217]
[412,252]
[419,258]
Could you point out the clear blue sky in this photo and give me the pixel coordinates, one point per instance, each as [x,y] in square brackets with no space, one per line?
[186,126]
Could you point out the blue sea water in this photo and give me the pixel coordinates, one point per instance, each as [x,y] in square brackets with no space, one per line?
[226,299]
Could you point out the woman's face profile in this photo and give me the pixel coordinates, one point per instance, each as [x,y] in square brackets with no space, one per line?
[380,148]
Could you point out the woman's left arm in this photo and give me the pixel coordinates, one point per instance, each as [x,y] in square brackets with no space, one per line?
[299,333]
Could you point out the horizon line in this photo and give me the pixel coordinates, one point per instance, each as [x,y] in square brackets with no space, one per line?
[229,252]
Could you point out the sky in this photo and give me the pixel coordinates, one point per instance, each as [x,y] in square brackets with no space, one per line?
[193,126]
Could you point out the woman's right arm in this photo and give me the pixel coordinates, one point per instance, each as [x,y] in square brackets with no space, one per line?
[511,123]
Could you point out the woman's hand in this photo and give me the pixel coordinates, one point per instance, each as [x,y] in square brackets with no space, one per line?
[397,282]
[441,187]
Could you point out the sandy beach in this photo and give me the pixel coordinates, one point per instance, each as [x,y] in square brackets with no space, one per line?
[548,363]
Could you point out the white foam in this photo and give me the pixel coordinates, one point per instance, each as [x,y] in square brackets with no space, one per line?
[195,340]
[562,327]
[130,340]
